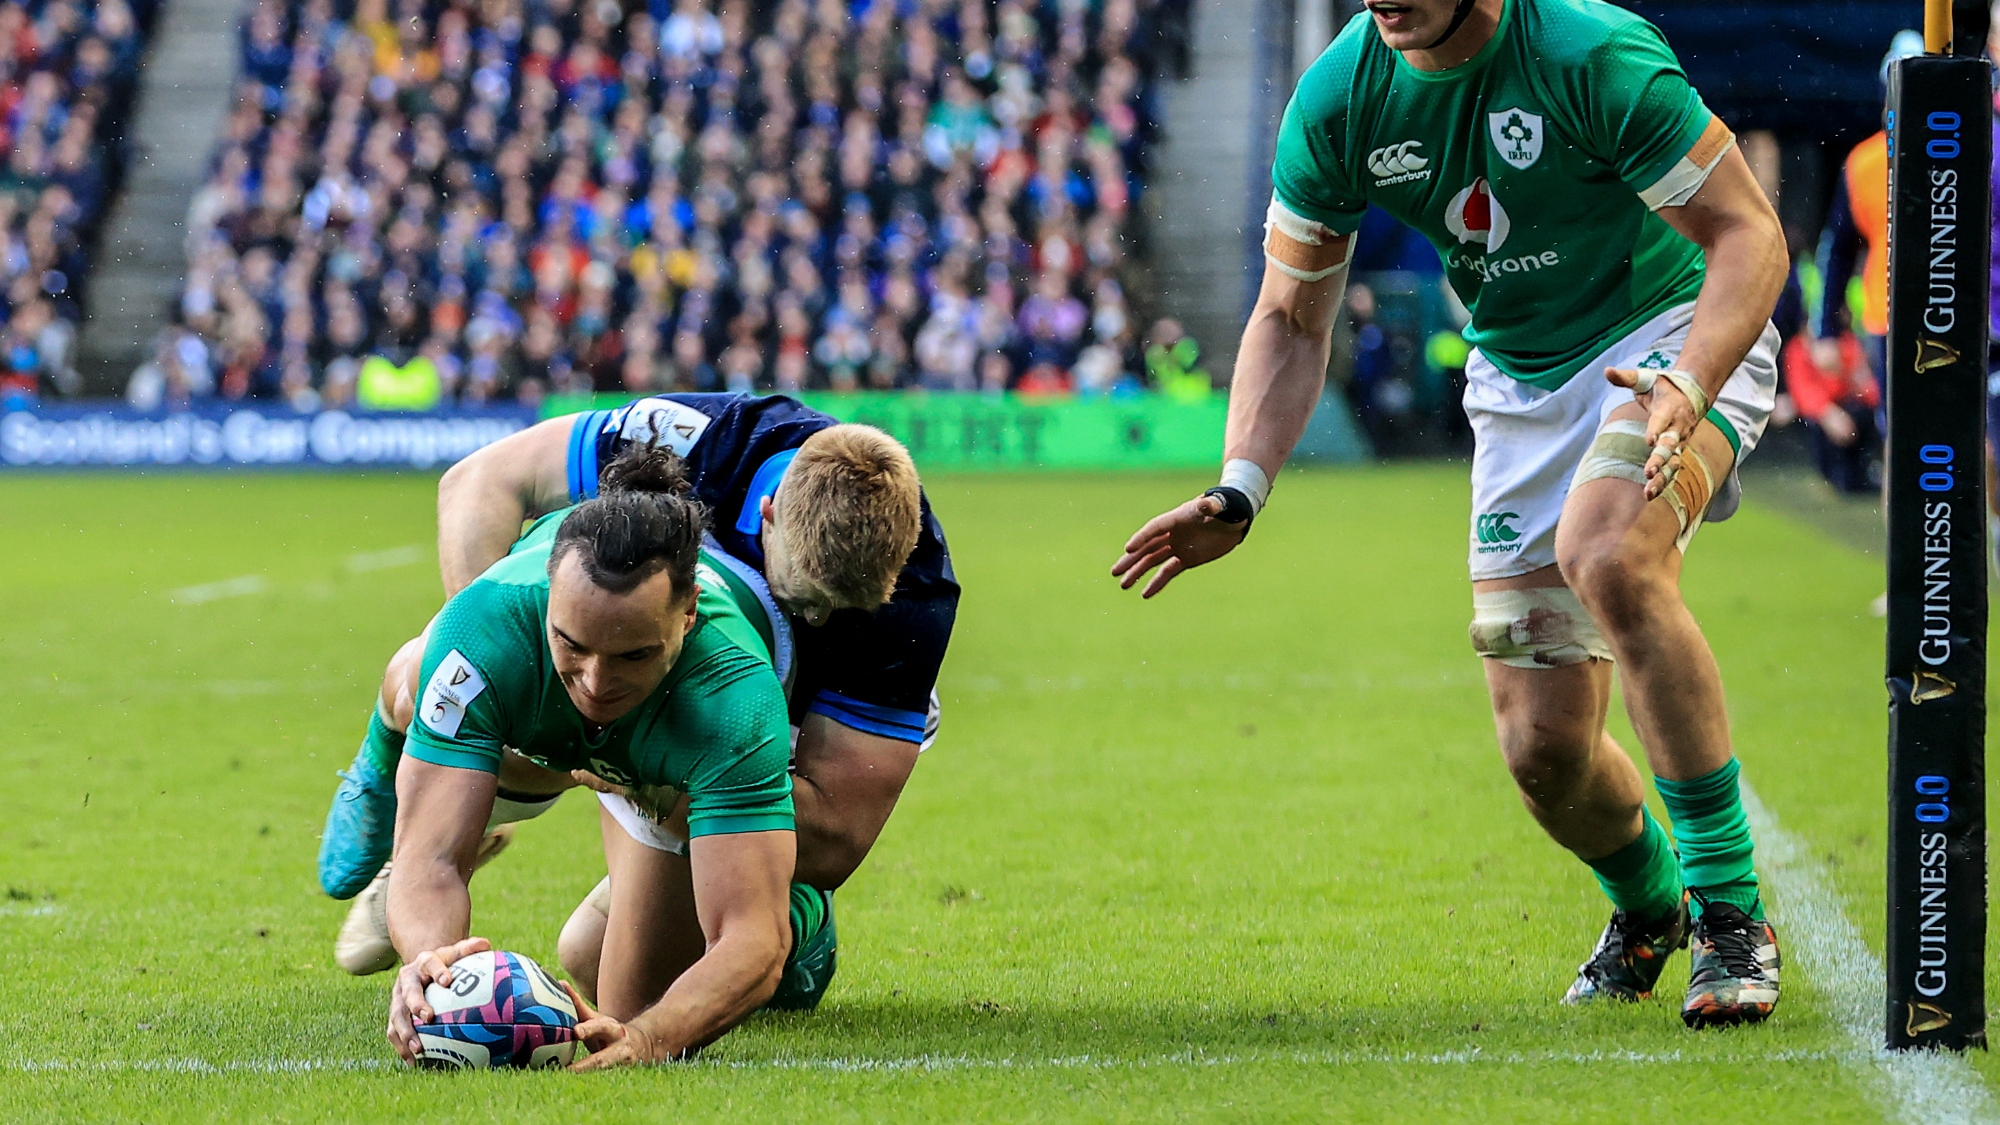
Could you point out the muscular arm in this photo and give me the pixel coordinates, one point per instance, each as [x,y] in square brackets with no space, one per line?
[844,786]
[483,499]
[1281,365]
[742,885]
[440,813]
[1739,235]
[1280,372]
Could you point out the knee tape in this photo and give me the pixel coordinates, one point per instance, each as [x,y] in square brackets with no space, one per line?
[1545,628]
[1621,452]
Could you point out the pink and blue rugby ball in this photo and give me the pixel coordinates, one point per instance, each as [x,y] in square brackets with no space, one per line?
[500,1010]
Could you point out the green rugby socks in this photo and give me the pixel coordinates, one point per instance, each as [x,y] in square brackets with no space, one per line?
[1642,878]
[808,915]
[383,747]
[1714,838]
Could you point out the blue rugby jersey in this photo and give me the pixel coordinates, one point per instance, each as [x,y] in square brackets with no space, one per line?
[871,671]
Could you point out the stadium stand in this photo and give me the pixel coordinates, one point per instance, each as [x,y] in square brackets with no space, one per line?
[560,195]
[68,70]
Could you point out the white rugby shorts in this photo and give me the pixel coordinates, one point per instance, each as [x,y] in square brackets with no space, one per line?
[1528,442]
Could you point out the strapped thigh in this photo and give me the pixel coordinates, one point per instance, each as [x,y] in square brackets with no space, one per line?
[1621,452]
[1540,628]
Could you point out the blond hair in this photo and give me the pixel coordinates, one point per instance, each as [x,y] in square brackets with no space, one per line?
[849,511]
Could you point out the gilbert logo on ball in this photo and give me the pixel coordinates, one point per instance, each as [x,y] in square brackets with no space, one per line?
[500,1010]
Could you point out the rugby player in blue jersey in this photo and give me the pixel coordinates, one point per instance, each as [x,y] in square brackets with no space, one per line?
[816,515]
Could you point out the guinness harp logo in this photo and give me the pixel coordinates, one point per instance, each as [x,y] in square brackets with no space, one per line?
[1934,353]
[1926,1017]
[1926,686]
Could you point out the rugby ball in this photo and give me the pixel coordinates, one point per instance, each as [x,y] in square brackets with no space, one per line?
[500,1010]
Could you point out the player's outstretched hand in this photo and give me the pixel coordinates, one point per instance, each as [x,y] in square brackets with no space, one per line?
[1670,421]
[407,1006]
[611,1043]
[1187,536]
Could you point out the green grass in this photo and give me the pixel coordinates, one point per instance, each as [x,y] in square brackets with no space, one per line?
[1243,852]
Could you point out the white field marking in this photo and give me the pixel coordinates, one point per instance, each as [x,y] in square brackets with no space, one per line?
[1927,1087]
[385,560]
[950,1063]
[24,910]
[211,591]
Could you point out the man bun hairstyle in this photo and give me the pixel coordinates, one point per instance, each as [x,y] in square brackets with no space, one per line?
[849,510]
[645,519]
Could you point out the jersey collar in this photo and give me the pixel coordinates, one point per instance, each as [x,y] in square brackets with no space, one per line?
[750,521]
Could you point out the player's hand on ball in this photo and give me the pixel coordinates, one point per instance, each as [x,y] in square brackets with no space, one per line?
[1187,536]
[611,1043]
[407,1006]
[1670,421]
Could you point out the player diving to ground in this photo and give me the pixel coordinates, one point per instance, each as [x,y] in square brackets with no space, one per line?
[827,524]
[605,643]
[1621,266]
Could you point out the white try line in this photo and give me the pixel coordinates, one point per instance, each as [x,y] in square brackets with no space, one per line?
[214,591]
[955,1063]
[1919,1087]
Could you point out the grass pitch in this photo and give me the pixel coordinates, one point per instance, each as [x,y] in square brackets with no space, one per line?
[1246,851]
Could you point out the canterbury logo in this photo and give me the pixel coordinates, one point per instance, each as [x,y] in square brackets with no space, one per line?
[1492,527]
[1398,160]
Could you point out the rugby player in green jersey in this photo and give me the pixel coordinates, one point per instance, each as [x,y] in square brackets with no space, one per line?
[1621,266]
[603,649]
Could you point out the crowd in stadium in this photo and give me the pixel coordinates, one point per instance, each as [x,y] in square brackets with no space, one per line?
[561,195]
[68,71]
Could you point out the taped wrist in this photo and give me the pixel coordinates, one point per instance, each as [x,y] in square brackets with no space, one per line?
[1543,628]
[1683,382]
[1301,248]
[1247,477]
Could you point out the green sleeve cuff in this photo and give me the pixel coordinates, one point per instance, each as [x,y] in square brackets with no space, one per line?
[425,748]
[734,825]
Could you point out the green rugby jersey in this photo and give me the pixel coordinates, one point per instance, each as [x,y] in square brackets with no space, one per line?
[715,729]
[1535,168]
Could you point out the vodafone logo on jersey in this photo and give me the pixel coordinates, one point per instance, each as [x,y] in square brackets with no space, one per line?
[1475,215]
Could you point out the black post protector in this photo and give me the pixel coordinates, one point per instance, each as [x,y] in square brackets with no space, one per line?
[1940,168]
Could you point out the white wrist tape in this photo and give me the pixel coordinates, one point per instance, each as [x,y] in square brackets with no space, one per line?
[1247,477]
[1682,381]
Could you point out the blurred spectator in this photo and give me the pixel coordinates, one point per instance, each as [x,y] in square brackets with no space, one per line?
[537,195]
[68,69]
[1857,229]
[1171,356]
[177,375]
[1838,407]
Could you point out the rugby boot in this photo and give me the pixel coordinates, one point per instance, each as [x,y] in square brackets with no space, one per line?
[809,970]
[360,829]
[363,946]
[1735,976]
[1629,957]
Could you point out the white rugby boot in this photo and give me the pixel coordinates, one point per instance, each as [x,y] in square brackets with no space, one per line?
[363,946]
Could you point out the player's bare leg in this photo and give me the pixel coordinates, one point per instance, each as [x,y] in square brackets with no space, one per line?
[1579,785]
[652,934]
[1622,556]
[1588,796]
